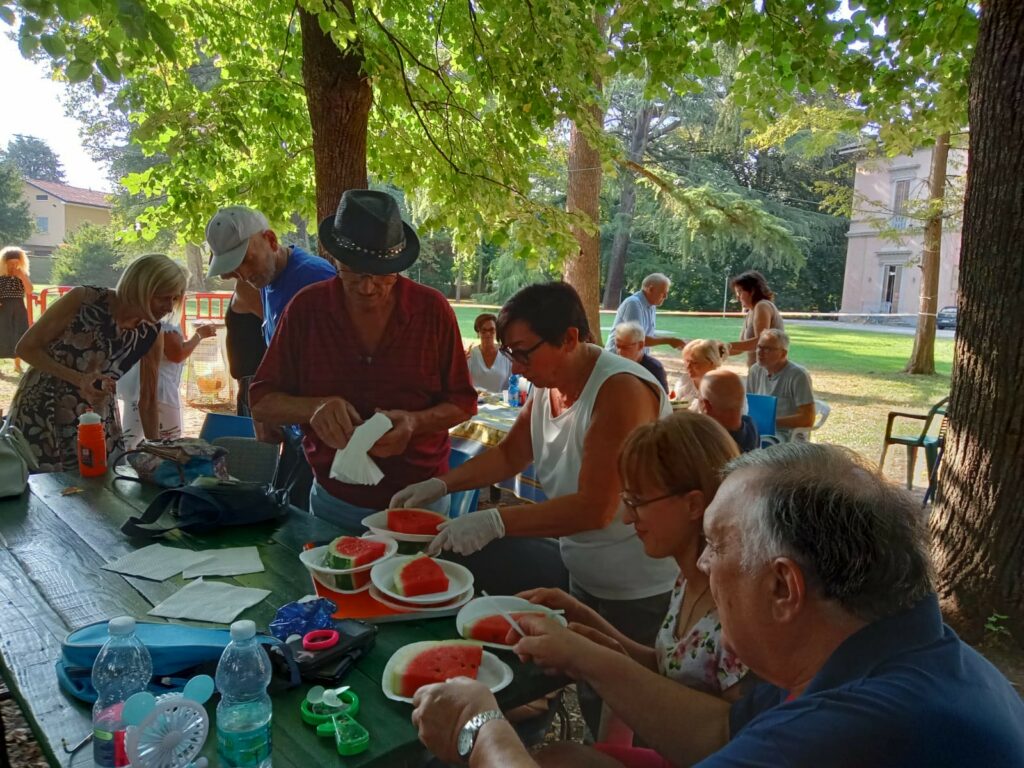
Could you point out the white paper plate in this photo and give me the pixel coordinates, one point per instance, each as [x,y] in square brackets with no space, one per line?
[383,577]
[488,606]
[444,609]
[313,560]
[378,523]
[328,581]
[493,672]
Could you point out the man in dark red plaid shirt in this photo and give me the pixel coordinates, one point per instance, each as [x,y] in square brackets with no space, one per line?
[367,340]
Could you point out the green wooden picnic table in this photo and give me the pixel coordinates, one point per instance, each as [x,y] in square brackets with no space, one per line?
[51,548]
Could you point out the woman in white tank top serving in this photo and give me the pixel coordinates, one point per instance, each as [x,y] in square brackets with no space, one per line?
[755,296]
[585,402]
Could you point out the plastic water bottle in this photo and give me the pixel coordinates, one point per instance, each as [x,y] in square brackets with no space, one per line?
[513,390]
[243,714]
[122,668]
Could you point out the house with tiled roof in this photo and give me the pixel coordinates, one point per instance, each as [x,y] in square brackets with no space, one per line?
[57,210]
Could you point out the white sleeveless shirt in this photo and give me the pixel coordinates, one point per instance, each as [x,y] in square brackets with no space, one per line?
[493,379]
[610,562]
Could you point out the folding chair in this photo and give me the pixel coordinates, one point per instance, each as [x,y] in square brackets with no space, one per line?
[761,408]
[224,425]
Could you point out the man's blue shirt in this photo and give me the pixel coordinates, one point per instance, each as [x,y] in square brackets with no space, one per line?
[302,269]
[904,691]
[635,308]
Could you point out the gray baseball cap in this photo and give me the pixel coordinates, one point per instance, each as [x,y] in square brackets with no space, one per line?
[228,234]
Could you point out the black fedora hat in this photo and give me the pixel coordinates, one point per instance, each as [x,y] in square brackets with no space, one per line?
[367,234]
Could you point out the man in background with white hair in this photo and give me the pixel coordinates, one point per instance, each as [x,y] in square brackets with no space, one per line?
[628,340]
[640,308]
[790,384]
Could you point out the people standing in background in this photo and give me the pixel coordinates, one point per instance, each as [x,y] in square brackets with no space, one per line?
[15,291]
[81,346]
[756,297]
[243,325]
[629,343]
[168,387]
[488,369]
[641,308]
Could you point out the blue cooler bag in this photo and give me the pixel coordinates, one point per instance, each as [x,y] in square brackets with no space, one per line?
[179,653]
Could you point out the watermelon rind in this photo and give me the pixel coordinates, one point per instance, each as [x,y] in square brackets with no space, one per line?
[334,559]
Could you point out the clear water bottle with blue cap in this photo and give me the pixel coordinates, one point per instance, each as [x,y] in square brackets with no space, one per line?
[244,711]
[513,390]
[123,667]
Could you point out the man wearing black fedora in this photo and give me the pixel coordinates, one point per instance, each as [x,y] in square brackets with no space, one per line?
[368,340]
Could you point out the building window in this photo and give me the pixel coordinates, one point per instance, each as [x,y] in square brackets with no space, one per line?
[900,194]
[42,224]
[42,197]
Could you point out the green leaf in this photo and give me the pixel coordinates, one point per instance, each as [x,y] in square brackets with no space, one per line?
[98,83]
[54,45]
[7,14]
[78,71]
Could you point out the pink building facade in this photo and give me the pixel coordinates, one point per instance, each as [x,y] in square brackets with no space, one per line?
[883,253]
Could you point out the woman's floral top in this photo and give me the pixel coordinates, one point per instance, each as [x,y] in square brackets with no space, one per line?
[697,660]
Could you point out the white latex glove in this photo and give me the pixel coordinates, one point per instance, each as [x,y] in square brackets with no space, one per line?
[469,533]
[419,494]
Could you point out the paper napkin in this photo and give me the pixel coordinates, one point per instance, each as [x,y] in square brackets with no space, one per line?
[156,561]
[233,561]
[352,464]
[211,601]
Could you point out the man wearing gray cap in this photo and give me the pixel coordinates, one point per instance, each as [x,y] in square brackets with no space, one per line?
[246,248]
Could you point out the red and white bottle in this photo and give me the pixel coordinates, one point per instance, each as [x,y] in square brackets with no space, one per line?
[92,445]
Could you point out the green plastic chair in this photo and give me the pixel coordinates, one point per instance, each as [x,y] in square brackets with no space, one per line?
[923,439]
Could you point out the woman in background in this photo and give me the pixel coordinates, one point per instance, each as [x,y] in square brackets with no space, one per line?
[488,369]
[700,356]
[81,346]
[755,296]
[15,289]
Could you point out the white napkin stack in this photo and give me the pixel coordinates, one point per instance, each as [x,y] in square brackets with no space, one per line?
[157,562]
[211,601]
[352,464]
[233,561]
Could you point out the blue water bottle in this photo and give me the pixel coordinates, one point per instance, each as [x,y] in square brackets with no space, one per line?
[513,390]
[244,711]
[123,667]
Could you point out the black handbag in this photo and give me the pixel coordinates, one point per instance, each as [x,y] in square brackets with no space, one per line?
[208,504]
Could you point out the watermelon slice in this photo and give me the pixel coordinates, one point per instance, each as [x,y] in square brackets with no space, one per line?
[418,521]
[421,664]
[347,552]
[495,629]
[420,576]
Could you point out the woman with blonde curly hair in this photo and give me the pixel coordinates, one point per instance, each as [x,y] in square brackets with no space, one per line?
[81,346]
[700,356]
[15,289]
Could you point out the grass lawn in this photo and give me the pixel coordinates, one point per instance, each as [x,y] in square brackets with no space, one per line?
[858,373]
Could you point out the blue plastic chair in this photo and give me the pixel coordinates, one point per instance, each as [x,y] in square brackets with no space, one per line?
[761,408]
[226,425]
[462,502]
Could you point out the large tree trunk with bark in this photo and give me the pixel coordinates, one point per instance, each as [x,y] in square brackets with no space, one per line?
[978,525]
[627,206]
[583,271]
[196,263]
[339,96]
[922,359]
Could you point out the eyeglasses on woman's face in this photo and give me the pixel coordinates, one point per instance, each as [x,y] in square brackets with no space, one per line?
[635,503]
[521,356]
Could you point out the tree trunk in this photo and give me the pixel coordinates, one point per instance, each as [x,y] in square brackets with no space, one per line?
[627,206]
[977,526]
[922,359]
[196,267]
[583,272]
[339,96]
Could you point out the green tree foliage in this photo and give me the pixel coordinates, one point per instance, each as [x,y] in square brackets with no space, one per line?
[91,255]
[15,222]
[34,159]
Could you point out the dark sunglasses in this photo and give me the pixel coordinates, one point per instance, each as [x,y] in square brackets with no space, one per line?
[521,356]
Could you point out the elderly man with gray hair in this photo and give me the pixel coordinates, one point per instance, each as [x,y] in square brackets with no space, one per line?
[821,575]
[790,384]
[640,308]
[629,343]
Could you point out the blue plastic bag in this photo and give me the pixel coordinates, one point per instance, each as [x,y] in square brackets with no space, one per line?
[299,618]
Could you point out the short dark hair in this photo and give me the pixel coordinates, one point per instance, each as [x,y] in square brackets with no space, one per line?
[754,282]
[484,318]
[860,540]
[550,309]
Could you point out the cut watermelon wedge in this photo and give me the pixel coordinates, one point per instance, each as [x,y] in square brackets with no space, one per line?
[421,522]
[347,552]
[495,629]
[420,576]
[422,664]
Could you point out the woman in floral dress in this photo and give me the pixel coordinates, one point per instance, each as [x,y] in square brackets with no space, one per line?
[670,473]
[81,346]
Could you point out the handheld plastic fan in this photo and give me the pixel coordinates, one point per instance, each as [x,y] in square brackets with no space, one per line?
[169,731]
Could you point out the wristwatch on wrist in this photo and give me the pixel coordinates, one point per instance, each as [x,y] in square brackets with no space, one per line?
[468,734]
